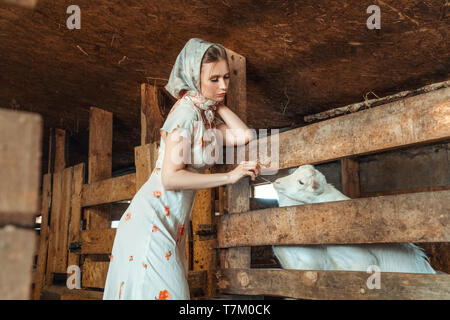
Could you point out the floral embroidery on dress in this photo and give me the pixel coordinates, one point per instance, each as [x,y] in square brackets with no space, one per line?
[131,258]
[157,194]
[155,228]
[167,210]
[163,295]
[111,258]
[127,217]
[168,254]
[120,289]
[144,265]
[180,233]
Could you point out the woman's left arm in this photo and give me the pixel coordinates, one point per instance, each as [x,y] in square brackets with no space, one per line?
[234,131]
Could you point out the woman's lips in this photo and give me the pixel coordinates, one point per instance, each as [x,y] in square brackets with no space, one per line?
[222,95]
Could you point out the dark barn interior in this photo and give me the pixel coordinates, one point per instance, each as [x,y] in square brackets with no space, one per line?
[307,63]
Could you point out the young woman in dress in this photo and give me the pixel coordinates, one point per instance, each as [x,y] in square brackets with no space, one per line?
[148,256]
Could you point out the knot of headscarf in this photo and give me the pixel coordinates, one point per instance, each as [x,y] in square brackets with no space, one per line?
[185,76]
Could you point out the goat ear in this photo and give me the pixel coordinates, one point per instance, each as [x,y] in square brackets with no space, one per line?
[315,185]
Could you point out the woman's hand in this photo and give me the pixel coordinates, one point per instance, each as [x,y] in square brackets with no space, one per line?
[245,168]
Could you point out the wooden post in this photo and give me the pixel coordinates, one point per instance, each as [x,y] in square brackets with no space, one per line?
[20,160]
[44,233]
[350,177]
[151,117]
[76,211]
[204,240]
[100,162]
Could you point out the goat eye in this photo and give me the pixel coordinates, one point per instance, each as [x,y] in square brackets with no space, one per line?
[300,182]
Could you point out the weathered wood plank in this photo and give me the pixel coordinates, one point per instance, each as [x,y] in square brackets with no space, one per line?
[17,248]
[29,4]
[151,117]
[97,241]
[60,150]
[337,285]
[204,253]
[236,98]
[62,228]
[44,233]
[417,217]
[54,222]
[76,211]
[238,199]
[20,160]
[145,157]
[411,121]
[350,177]
[100,162]
[109,190]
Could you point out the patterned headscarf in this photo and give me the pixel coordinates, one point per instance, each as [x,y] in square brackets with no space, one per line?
[185,76]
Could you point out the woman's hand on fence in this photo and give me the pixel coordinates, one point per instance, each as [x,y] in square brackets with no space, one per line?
[245,168]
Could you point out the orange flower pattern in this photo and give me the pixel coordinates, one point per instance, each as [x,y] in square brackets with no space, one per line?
[164,295]
[172,205]
[167,210]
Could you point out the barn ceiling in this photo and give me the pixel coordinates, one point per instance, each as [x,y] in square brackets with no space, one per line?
[303,57]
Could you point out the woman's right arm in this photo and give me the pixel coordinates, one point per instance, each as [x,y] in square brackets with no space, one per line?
[174,176]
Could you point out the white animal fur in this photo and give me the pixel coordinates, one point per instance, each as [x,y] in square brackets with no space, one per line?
[308,185]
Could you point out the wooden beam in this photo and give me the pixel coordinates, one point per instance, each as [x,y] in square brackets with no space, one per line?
[20,163]
[43,236]
[418,217]
[204,253]
[145,157]
[411,121]
[337,285]
[60,150]
[109,190]
[236,98]
[151,117]
[54,223]
[100,162]
[62,227]
[29,4]
[17,247]
[97,241]
[76,211]
[238,199]
[350,177]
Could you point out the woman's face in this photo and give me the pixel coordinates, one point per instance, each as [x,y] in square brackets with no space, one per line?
[214,80]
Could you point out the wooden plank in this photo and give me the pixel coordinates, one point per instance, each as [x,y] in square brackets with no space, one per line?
[20,160]
[100,162]
[97,241]
[62,228]
[151,117]
[238,199]
[204,253]
[337,285]
[145,157]
[236,98]
[60,150]
[411,121]
[29,4]
[53,226]
[109,190]
[17,248]
[76,211]
[82,294]
[44,233]
[93,274]
[417,217]
[350,177]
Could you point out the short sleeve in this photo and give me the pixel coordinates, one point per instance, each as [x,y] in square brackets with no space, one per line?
[182,117]
[217,120]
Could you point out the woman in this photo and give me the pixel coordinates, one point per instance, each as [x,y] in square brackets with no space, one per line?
[148,256]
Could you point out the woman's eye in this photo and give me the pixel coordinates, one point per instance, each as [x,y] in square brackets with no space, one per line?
[214,80]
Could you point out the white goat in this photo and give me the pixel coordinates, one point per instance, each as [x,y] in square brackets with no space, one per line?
[308,185]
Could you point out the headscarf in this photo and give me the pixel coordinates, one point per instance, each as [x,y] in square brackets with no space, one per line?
[185,76]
